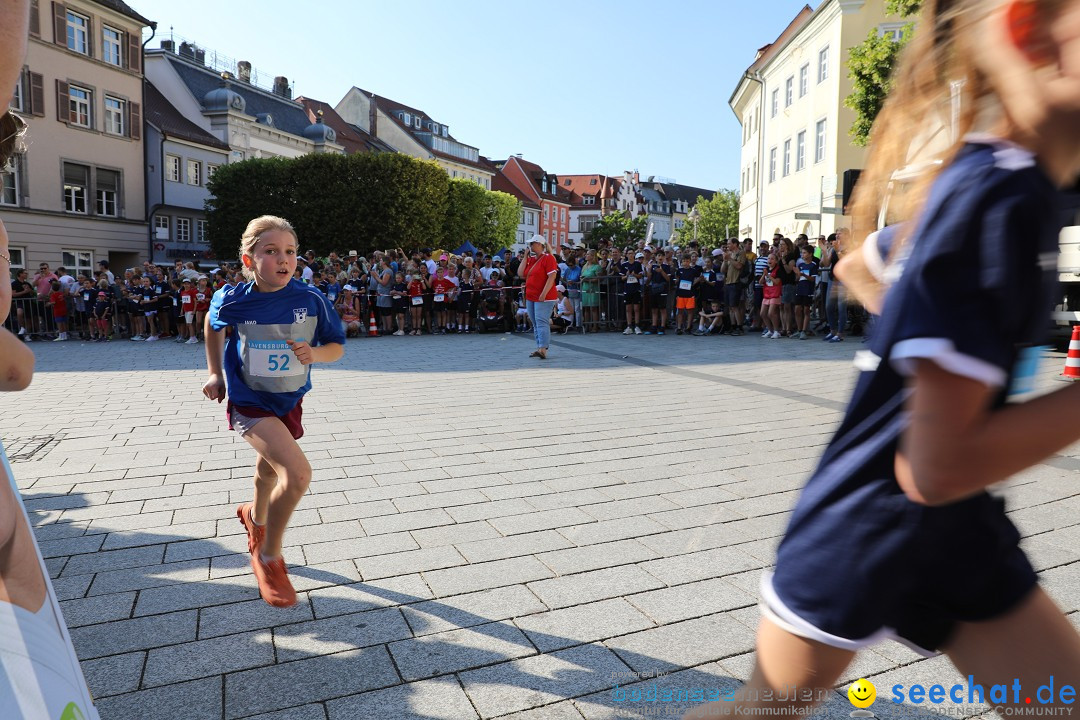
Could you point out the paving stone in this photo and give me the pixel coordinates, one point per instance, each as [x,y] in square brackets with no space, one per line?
[700,565]
[149,577]
[357,597]
[71,546]
[470,609]
[403,563]
[341,632]
[97,609]
[479,576]
[313,711]
[295,683]
[672,604]
[115,560]
[592,557]
[595,585]
[512,546]
[454,534]
[540,680]
[360,547]
[561,628]
[610,530]
[539,520]
[564,710]
[667,695]
[173,533]
[683,644]
[122,636]
[202,658]
[435,699]
[456,650]
[113,675]
[196,700]
[491,509]
[184,596]
[251,615]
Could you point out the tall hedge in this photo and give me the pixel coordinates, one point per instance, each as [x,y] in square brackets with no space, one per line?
[363,202]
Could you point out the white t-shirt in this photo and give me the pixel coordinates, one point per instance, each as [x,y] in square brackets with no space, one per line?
[307,274]
[431,267]
[41,673]
[485,272]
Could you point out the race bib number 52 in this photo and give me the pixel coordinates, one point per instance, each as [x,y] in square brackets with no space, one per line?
[272,358]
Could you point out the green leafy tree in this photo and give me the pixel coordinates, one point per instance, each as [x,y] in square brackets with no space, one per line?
[718,220]
[501,221]
[240,192]
[466,213]
[619,229]
[870,67]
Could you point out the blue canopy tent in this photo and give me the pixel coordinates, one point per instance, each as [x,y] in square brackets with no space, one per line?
[466,247]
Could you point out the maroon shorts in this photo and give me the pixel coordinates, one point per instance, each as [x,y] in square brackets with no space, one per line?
[249,416]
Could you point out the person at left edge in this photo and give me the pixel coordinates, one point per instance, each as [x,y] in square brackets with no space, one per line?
[279,327]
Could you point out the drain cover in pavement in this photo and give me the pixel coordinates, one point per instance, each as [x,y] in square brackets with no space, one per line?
[31,448]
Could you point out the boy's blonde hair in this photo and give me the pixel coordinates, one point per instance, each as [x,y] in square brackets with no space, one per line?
[254,231]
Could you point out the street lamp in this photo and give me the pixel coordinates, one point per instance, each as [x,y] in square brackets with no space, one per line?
[693,217]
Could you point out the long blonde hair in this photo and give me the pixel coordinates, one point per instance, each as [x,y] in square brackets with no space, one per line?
[254,231]
[941,93]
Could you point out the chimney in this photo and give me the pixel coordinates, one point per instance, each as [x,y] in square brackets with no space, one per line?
[243,71]
[281,86]
[373,117]
[637,178]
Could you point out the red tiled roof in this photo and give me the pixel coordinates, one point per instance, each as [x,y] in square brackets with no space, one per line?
[767,52]
[536,173]
[581,185]
[502,184]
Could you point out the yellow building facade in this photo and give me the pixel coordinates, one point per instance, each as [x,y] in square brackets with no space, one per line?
[794,125]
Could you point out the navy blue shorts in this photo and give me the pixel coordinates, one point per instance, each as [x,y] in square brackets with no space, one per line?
[733,295]
[898,569]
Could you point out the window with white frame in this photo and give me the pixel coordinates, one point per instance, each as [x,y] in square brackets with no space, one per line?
[162,227]
[183,230]
[114,115]
[77,27]
[775,102]
[18,258]
[819,141]
[521,218]
[588,200]
[9,183]
[532,218]
[787,157]
[172,168]
[17,102]
[753,176]
[800,151]
[545,212]
[194,172]
[76,183]
[893,31]
[200,231]
[823,64]
[107,189]
[211,168]
[772,165]
[80,100]
[111,39]
[78,262]
[804,80]
[789,91]
[562,215]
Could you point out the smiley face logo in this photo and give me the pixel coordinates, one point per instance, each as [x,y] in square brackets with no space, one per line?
[862,693]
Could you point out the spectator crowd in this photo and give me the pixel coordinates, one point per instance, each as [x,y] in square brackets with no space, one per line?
[782,289]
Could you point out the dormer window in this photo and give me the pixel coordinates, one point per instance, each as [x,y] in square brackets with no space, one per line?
[416,122]
[406,118]
[445,131]
[435,128]
[592,181]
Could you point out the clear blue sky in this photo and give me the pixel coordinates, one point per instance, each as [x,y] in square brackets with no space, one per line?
[604,86]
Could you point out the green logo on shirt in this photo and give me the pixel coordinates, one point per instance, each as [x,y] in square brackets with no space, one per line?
[72,712]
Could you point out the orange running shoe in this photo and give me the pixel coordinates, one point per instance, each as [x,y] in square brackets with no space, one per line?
[255,532]
[273,578]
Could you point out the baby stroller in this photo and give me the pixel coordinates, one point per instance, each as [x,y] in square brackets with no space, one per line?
[489,316]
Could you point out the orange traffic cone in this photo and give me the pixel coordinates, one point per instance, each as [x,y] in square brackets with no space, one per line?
[372,331]
[1072,362]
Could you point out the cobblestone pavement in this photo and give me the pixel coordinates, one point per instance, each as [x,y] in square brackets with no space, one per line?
[487,535]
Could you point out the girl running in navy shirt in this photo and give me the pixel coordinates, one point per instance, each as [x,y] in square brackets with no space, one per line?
[895,534]
[278,327]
